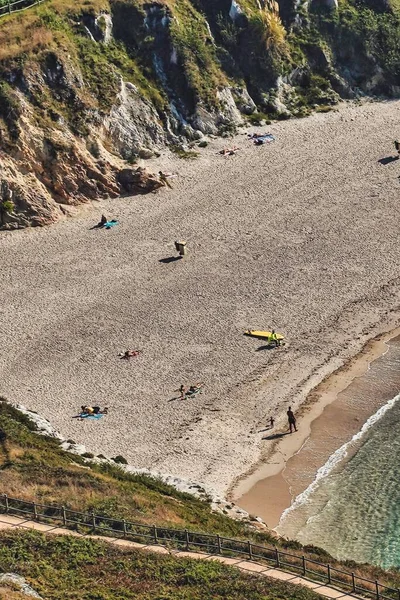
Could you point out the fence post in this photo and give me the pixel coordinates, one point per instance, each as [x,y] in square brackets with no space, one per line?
[155,534]
[377,590]
[250,550]
[187,540]
[304,564]
[219,544]
[124,526]
[6,503]
[93,521]
[353,583]
[35,516]
[64,515]
[277,557]
[329,573]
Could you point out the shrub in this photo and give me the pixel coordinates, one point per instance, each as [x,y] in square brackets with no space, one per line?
[120,460]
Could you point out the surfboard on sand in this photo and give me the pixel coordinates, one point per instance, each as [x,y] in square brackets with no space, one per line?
[264,335]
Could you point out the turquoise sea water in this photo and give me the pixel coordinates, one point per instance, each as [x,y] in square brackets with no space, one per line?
[353,509]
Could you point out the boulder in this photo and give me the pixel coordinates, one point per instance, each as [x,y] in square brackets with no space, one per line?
[138,181]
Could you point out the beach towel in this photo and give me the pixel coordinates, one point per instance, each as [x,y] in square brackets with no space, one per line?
[92,416]
[110,224]
[266,138]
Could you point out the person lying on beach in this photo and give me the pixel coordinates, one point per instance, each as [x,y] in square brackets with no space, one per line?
[194,389]
[261,138]
[229,151]
[93,410]
[129,354]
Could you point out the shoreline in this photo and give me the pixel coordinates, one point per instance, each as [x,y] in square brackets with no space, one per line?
[265,491]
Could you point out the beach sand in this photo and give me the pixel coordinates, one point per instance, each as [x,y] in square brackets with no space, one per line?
[301,236]
[332,414]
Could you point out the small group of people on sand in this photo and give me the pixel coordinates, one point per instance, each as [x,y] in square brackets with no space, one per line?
[291,421]
[105,223]
[261,138]
[93,410]
[191,391]
[128,354]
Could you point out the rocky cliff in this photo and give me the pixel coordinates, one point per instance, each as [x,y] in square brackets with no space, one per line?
[86,87]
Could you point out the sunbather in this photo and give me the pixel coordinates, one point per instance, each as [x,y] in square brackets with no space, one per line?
[229,151]
[194,389]
[129,354]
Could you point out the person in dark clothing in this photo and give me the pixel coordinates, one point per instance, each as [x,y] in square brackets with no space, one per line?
[291,419]
[271,422]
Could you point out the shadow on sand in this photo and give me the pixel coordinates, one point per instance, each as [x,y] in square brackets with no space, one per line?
[276,436]
[170,259]
[176,398]
[266,347]
[388,159]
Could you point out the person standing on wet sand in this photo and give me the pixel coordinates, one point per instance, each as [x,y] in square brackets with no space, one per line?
[291,419]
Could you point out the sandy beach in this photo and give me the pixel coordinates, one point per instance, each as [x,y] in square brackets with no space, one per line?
[333,413]
[301,236]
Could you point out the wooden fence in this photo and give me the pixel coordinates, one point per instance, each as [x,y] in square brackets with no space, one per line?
[10,7]
[345,581]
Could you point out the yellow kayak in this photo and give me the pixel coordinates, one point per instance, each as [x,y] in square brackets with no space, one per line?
[263,334]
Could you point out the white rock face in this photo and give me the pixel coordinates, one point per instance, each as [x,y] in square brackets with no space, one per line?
[19,582]
[243,100]
[133,123]
[108,26]
[235,10]
[333,4]
[229,110]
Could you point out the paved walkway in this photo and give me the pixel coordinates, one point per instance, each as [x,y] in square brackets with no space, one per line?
[12,522]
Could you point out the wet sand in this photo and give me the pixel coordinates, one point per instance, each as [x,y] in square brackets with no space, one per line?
[333,413]
[301,236]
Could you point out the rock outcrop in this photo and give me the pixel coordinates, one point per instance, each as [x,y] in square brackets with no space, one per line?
[83,92]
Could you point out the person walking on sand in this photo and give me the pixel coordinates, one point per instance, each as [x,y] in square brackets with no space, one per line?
[271,422]
[182,390]
[291,419]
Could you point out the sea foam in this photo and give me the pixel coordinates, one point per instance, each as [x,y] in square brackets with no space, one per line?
[335,459]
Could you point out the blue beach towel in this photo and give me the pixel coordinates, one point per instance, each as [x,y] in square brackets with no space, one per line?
[110,224]
[86,416]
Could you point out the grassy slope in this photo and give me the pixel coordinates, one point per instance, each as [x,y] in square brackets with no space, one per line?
[63,567]
[33,467]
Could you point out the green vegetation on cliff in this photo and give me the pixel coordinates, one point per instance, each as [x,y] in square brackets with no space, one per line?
[60,567]
[84,84]
[33,467]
